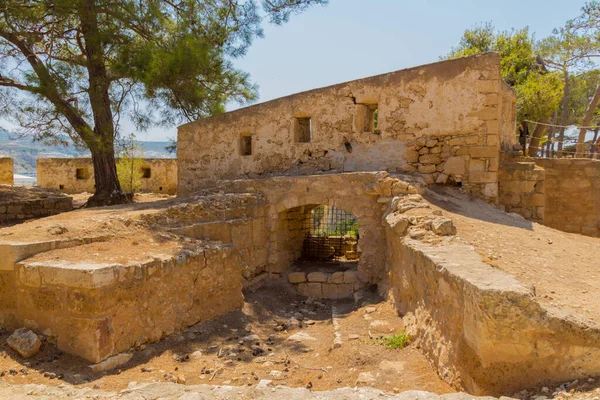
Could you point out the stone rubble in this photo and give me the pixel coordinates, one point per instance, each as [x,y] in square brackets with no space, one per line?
[25,342]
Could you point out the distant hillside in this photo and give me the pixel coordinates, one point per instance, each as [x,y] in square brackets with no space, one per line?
[24,151]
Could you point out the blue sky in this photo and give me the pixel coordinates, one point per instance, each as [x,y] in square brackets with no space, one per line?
[351,39]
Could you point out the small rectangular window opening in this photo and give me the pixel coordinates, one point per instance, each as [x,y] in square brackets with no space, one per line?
[146,172]
[81,173]
[303,130]
[246,145]
[372,119]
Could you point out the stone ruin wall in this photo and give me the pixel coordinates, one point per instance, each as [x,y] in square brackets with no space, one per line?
[6,171]
[96,313]
[561,193]
[76,175]
[269,240]
[479,327]
[522,189]
[29,207]
[572,189]
[445,121]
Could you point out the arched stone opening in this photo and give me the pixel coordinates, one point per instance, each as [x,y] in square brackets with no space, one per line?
[319,245]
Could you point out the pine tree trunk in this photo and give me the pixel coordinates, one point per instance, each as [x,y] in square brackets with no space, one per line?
[589,114]
[534,144]
[563,116]
[108,190]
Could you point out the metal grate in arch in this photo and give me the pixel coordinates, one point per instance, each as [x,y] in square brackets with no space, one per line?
[330,234]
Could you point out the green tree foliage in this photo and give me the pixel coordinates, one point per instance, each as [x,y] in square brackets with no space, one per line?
[538,92]
[129,165]
[583,86]
[70,69]
[569,51]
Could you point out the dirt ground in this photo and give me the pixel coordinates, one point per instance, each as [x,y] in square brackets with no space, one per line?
[226,352]
[563,268]
[79,199]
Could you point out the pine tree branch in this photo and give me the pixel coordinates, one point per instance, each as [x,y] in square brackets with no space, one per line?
[8,82]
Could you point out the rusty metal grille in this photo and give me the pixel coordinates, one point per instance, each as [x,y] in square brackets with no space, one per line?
[331,234]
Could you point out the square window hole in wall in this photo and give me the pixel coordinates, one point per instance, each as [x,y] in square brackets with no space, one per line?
[82,173]
[303,130]
[146,172]
[370,117]
[246,145]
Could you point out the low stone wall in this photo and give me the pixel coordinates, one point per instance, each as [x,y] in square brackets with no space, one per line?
[76,175]
[572,188]
[480,327]
[522,189]
[324,285]
[95,311]
[6,171]
[20,203]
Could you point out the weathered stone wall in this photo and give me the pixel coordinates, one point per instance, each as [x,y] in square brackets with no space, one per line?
[95,311]
[6,171]
[76,175]
[443,120]
[20,203]
[572,188]
[326,285]
[349,192]
[482,329]
[522,189]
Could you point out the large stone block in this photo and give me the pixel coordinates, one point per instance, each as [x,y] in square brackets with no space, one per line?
[454,166]
[317,277]
[484,152]
[336,277]
[311,289]
[330,291]
[483,177]
[297,277]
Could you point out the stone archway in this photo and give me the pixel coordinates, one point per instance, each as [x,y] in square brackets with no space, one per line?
[331,190]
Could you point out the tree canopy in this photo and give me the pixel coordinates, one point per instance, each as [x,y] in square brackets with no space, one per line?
[538,91]
[71,69]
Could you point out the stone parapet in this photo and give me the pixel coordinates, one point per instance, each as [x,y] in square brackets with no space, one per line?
[522,189]
[572,192]
[97,310]
[481,328]
[21,203]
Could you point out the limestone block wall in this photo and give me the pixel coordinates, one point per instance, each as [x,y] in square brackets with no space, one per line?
[26,209]
[6,171]
[444,120]
[522,189]
[482,329]
[349,192]
[326,285]
[18,203]
[95,311]
[76,175]
[572,188]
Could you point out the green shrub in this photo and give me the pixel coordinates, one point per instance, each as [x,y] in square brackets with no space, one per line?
[398,341]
